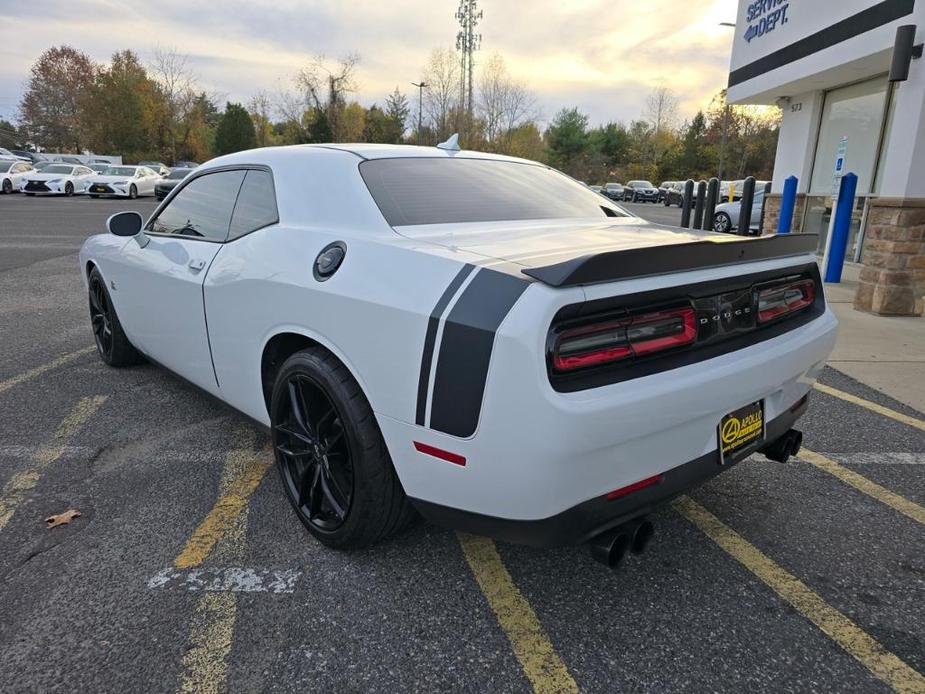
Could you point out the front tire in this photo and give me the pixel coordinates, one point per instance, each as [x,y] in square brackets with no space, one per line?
[132,191]
[7,186]
[68,189]
[112,345]
[331,456]
[722,223]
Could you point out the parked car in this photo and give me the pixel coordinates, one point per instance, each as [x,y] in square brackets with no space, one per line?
[726,216]
[186,165]
[8,155]
[663,189]
[675,194]
[414,331]
[614,191]
[58,179]
[644,191]
[160,167]
[123,181]
[12,174]
[31,156]
[169,182]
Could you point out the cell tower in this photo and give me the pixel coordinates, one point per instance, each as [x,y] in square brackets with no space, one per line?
[467,42]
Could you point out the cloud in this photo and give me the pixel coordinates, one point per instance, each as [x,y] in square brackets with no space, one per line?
[602,56]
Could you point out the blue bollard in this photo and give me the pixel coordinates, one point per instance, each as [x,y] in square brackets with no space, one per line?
[841,227]
[788,202]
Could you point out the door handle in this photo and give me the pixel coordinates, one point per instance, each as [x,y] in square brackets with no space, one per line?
[197,264]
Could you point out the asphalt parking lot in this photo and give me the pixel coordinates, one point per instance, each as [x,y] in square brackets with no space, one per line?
[187,569]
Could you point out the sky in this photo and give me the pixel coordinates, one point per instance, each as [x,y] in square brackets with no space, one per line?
[603,56]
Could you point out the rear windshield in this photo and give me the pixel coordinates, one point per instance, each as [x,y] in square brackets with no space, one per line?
[178,173]
[445,191]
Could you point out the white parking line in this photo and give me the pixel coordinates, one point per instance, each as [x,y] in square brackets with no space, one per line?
[231,579]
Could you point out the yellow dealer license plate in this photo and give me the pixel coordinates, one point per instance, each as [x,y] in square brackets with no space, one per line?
[740,430]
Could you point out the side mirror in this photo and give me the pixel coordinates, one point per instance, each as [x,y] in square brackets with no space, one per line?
[125,224]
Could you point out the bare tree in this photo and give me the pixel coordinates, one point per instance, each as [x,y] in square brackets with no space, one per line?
[324,86]
[661,109]
[260,108]
[441,97]
[503,102]
[177,83]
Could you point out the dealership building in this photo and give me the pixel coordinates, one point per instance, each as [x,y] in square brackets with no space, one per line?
[827,65]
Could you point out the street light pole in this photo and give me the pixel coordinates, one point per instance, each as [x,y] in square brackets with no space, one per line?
[722,146]
[420,85]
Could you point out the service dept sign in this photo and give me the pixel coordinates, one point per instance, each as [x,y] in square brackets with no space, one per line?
[764,16]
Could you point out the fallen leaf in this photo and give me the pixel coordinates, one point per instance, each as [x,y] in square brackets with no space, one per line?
[62,518]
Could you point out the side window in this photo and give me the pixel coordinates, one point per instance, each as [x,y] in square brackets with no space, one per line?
[202,209]
[256,206]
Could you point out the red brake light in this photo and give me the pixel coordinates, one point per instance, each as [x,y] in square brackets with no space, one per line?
[611,341]
[774,302]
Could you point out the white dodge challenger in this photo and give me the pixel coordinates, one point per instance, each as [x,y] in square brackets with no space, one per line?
[477,337]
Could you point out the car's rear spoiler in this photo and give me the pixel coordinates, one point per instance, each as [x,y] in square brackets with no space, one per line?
[678,257]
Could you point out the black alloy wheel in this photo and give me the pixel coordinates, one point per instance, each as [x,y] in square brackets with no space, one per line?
[113,346]
[7,186]
[314,454]
[101,317]
[331,456]
[68,189]
[132,191]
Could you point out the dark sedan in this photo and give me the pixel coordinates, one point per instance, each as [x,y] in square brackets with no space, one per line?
[636,191]
[169,182]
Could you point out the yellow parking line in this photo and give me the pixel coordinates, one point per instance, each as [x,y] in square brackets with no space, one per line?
[21,483]
[205,664]
[872,406]
[539,660]
[222,533]
[39,370]
[244,469]
[881,662]
[862,484]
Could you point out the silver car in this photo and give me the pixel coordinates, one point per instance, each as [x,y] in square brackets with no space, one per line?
[726,217]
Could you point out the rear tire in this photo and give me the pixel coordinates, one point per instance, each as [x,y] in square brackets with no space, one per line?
[7,186]
[112,345]
[68,189]
[132,191]
[331,456]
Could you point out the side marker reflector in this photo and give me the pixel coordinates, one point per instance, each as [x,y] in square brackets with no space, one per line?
[634,487]
[440,453]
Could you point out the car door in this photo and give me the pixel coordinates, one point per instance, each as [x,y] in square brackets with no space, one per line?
[160,284]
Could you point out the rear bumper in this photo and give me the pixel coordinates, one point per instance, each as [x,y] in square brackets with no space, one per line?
[580,523]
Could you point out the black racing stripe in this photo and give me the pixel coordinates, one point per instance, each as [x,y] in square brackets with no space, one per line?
[855,25]
[465,350]
[431,337]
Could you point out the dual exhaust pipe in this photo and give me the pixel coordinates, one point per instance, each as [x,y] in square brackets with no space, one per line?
[610,547]
[787,445]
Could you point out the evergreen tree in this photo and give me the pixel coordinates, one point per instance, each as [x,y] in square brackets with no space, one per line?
[235,130]
[567,137]
[397,111]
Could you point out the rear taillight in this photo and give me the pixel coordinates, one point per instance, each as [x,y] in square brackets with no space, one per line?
[784,299]
[610,341]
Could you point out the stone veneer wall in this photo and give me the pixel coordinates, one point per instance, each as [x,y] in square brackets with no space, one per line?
[892,281]
[772,213]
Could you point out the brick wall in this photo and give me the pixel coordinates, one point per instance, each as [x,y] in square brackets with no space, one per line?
[892,281]
[772,213]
